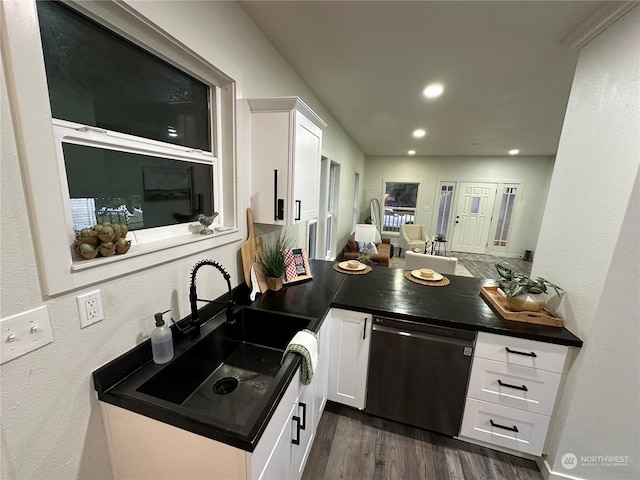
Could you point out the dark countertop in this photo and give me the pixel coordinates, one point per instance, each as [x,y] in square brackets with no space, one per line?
[384,291]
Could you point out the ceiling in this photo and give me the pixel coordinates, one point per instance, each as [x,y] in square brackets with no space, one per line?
[505,70]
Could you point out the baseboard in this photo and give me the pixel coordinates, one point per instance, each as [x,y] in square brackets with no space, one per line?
[548,474]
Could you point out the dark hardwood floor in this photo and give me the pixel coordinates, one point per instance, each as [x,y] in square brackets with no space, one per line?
[355,446]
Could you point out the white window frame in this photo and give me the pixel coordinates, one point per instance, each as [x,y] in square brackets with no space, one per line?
[382,203]
[39,148]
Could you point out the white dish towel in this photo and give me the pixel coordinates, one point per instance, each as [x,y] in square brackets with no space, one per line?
[305,343]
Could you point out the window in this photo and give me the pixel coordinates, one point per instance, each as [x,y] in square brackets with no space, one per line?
[444,208]
[400,202]
[312,235]
[135,131]
[504,217]
[153,155]
[334,181]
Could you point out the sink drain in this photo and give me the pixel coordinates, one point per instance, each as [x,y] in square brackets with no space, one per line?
[225,385]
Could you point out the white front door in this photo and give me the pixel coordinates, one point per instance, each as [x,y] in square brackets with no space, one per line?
[473,217]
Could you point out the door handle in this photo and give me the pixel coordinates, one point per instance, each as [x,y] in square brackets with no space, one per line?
[296,440]
[526,354]
[364,330]
[523,387]
[497,425]
[299,208]
[303,425]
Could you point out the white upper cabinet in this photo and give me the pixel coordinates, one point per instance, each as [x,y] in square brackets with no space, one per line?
[286,144]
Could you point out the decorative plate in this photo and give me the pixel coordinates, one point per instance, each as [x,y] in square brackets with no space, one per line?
[346,266]
[436,276]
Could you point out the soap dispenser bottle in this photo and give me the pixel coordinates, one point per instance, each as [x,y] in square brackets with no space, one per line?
[161,341]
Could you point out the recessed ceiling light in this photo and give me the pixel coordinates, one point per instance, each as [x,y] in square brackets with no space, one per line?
[434,90]
[514,151]
[419,133]
[411,152]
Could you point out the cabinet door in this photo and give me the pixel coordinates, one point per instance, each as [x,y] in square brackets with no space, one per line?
[306,187]
[270,164]
[321,376]
[278,466]
[350,337]
[303,430]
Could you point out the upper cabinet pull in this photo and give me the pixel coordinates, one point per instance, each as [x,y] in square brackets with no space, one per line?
[523,387]
[299,208]
[529,354]
[275,194]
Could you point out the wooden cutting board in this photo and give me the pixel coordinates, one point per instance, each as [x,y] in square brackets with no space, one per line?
[250,249]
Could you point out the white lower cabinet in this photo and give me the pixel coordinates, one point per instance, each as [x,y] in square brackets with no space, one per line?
[349,359]
[512,391]
[144,448]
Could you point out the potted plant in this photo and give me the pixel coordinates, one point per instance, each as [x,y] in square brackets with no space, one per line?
[272,262]
[364,258]
[523,293]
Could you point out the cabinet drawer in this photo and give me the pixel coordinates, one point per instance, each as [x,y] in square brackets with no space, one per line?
[525,388]
[520,351]
[504,426]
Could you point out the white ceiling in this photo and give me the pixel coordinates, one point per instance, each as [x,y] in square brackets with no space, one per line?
[506,73]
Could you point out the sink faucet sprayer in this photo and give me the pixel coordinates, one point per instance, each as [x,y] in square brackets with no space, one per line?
[194,327]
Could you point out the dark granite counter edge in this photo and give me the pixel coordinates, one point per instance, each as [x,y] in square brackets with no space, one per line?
[567,339]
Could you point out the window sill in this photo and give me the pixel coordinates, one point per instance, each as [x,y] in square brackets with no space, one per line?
[84,273]
[155,248]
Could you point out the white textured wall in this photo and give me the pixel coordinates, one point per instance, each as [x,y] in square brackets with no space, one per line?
[51,426]
[535,172]
[589,244]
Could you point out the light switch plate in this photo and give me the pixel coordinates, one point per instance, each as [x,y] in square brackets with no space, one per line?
[24,332]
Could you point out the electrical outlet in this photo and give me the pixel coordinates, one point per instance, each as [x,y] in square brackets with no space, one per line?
[90,308]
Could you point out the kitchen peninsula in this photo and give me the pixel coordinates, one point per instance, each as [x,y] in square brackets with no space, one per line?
[382,292]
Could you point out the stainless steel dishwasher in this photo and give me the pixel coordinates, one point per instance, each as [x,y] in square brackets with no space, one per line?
[418,374]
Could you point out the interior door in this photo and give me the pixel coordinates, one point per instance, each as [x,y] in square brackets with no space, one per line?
[473,217]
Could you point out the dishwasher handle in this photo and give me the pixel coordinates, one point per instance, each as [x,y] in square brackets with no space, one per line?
[422,336]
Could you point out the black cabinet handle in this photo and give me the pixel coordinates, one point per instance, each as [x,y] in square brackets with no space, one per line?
[530,354]
[299,208]
[511,429]
[278,203]
[296,441]
[523,387]
[364,330]
[275,194]
[303,425]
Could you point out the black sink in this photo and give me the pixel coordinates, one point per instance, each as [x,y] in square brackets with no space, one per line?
[228,373]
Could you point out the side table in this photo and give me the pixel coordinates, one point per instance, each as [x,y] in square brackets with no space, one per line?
[435,249]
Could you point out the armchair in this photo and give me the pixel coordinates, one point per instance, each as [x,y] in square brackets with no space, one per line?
[412,236]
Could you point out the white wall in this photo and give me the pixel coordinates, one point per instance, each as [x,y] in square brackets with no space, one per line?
[589,244]
[51,426]
[535,172]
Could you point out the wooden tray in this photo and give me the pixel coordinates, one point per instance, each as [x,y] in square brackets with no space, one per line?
[498,302]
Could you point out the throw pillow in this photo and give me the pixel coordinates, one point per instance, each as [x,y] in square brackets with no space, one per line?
[367,248]
[352,246]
